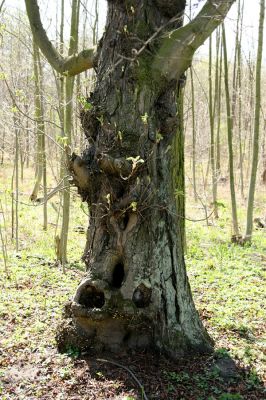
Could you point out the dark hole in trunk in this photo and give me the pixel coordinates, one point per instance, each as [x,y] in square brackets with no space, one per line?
[118,276]
[92,297]
[126,219]
[126,337]
[123,221]
[141,296]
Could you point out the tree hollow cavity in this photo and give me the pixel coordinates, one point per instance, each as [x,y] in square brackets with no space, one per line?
[125,220]
[118,275]
[91,297]
[141,296]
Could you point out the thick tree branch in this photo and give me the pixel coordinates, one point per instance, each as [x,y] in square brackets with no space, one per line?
[79,172]
[177,49]
[114,166]
[70,65]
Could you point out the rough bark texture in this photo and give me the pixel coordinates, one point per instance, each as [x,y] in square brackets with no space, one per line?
[136,292]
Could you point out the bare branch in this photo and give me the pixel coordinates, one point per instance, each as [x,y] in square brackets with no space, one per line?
[52,193]
[178,48]
[2,4]
[72,65]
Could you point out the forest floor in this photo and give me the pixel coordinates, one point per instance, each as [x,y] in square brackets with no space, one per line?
[227,284]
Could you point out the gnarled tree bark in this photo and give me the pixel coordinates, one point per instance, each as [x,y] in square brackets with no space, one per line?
[136,292]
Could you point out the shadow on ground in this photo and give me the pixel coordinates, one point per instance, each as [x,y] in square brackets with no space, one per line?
[216,377]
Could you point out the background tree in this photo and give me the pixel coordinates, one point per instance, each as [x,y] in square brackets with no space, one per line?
[236,236]
[255,156]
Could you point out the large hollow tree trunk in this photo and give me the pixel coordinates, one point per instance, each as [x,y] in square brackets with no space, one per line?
[136,292]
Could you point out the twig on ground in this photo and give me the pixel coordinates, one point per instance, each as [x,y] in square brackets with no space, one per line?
[129,371]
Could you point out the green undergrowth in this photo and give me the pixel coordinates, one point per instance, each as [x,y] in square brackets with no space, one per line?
[226,280]
[228,284]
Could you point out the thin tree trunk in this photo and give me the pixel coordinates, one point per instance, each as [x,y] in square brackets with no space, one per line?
[43,145]
[249,119]
[235,236]
[21,153]
[239,86]
[17,178]
[3,238]
[27,137]
[95,25]
[236,88]
[68,120]
[252,185]
[212,147]
[193,136]
[40,126]
[218,84]
[3,146]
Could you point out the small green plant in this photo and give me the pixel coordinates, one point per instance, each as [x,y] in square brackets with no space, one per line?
[175,377]
[230,396]
[222,353]
[62,140]
[144,118]
[85,104]
[159,137]
[64,373]
[219,204]
[73,352]
[133,206]
[14,109]
[253,380]
[100,119]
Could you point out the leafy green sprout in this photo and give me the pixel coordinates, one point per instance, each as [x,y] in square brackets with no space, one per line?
[85,104]
[222,353]
[73,352]
[133,206]
[20,94]
[108,198]
[100,119]
[135,161]
[144,118]
[177,377]
[63,140]
[159,137]
[120,135]
[230,396]
[14,109]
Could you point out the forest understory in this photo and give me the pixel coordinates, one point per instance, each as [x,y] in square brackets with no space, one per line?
[227,285]
[152,129]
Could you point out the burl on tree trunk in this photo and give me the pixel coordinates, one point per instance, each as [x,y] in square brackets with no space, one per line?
[136,293]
